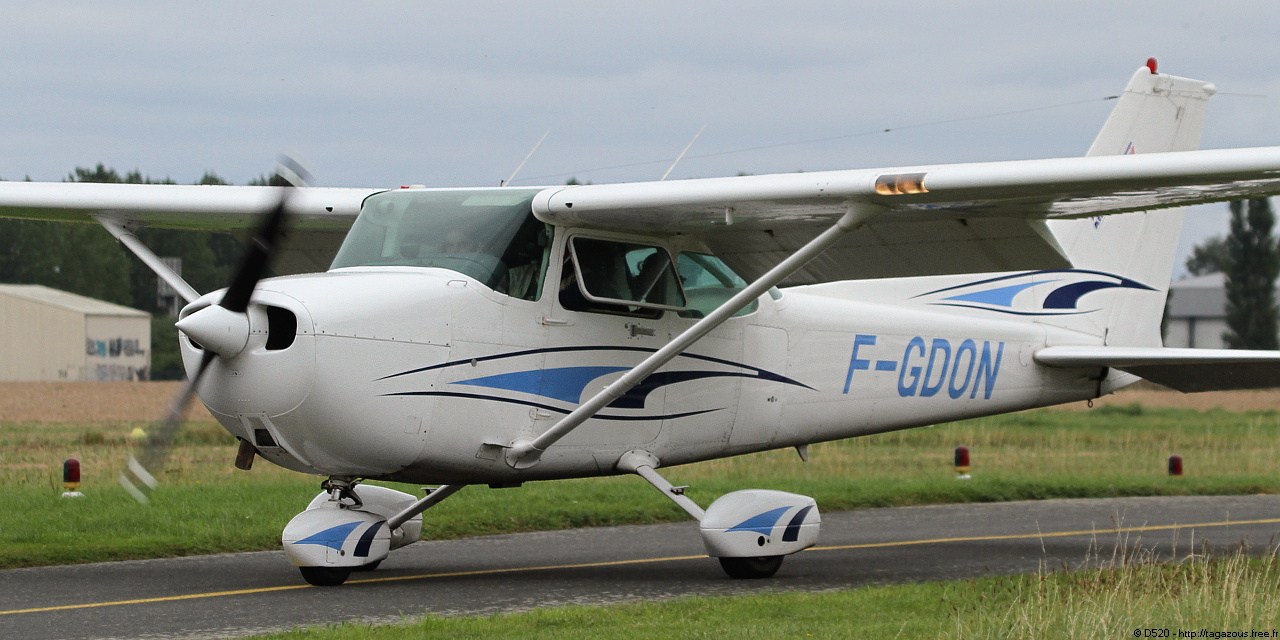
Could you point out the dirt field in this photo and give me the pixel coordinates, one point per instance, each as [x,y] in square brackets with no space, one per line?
[90,401]
[1263,400]
[131,401]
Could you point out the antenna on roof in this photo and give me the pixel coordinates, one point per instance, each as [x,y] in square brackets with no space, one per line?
[681,156]
[526,159]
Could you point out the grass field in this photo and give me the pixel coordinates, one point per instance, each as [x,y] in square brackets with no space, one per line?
[206,506]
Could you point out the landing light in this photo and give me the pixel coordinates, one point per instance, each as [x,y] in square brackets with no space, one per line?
[896,184]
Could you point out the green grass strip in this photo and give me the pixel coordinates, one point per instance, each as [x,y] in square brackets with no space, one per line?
[205,506]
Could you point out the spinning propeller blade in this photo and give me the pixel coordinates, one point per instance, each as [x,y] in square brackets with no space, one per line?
[139,475]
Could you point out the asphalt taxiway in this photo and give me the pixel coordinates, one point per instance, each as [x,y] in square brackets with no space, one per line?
[240,594]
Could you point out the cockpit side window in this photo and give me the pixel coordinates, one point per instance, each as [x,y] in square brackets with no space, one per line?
[608,276]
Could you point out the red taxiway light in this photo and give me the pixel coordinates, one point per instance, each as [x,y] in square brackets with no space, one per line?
[962,459]
[71,474]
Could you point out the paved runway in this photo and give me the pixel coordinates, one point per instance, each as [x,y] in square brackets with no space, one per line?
[239,594]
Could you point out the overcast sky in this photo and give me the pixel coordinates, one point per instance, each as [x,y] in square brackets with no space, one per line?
[456,94]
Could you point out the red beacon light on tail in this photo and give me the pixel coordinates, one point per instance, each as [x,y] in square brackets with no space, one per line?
[1151,64]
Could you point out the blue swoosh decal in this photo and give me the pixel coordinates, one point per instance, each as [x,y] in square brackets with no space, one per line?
[637,395]
[333,537]
[565,383]
[1063,300]
[762,524]
[366,540]
[1068,296]
[793,528]
[762,373]
[1126,281]
[547,407]
[1001,297]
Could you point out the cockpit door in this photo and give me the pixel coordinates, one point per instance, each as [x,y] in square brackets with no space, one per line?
[610,311]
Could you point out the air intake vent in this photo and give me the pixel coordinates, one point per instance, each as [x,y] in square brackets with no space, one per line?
[282,327]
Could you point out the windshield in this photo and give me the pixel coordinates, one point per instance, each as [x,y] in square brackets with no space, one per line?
[488,234]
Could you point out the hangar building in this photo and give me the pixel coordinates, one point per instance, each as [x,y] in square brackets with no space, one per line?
[47,334]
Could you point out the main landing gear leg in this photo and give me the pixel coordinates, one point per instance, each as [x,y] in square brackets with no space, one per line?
[749,531]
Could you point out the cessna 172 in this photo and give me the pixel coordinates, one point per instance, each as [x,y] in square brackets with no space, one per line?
[504,335]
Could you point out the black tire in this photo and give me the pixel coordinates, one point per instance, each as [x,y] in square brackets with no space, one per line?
[325,576]
[751,568]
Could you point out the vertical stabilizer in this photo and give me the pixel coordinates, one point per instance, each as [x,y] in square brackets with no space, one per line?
[1157,113]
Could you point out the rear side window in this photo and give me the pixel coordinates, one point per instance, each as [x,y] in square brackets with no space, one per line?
[708,283]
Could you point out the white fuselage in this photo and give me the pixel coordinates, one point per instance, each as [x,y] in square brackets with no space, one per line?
[423,375]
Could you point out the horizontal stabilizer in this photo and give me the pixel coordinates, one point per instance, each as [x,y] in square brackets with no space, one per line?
[1186,370]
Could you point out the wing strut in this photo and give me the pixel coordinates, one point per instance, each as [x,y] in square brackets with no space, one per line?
[126,237]
[525,452]
[433,497]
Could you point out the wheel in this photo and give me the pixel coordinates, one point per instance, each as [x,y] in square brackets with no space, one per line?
[751,568]
[325,576]
[368,567]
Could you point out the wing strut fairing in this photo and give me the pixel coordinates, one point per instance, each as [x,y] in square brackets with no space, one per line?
[525,453]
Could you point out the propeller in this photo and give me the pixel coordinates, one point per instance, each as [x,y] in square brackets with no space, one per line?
[222,330]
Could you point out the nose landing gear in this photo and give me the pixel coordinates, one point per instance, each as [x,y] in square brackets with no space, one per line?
[345,529]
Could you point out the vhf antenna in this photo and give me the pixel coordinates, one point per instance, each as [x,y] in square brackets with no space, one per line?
[526,159]
[681,156]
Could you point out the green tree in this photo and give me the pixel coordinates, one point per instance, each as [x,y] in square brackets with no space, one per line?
[273,180]
[1253,264]
[1210,256]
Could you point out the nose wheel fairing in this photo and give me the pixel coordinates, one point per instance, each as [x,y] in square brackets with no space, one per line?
[345,529]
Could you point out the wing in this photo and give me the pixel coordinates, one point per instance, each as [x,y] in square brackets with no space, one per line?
[320,216]
[1186,370]
[959,218]
[217,208]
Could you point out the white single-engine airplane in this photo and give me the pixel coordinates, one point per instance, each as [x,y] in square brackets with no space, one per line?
[502,335]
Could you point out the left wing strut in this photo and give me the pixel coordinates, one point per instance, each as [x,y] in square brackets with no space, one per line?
[148,257]
[525,453]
